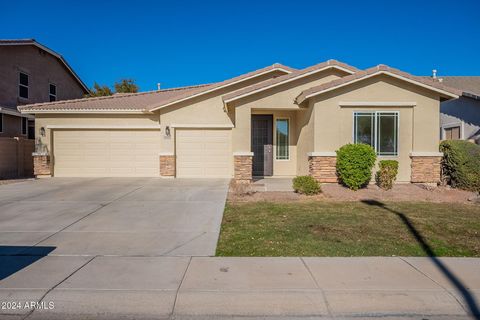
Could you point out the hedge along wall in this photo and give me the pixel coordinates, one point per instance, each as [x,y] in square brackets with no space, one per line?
[461,164]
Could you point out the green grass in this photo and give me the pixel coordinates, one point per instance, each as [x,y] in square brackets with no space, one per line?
[348,229]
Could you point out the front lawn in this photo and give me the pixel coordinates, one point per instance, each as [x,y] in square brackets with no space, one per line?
[349,229]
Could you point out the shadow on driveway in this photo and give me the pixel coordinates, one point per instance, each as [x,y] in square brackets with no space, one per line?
[468,298]
[12,260]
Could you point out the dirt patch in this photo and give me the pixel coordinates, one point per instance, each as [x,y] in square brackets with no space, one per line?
[336,192]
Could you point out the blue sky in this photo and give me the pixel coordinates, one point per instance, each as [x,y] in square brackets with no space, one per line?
[191,42]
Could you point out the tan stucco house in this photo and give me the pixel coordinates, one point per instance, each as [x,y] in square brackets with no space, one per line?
[276,121]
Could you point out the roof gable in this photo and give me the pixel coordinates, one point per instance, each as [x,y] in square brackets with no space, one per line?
[32,42]
[378,70]
[298,74]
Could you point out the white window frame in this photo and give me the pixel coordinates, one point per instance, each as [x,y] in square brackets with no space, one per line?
[22,126]
[22,85]
[49,94]
[460,124]
[375,134]
[288,137]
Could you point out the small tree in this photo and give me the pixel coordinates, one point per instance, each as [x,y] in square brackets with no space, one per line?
[126,86]
[99,91]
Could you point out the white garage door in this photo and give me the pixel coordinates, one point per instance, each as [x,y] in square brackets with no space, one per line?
[106,153]
[203,153]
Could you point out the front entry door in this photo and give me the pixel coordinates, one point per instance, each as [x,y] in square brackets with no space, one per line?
[262,145]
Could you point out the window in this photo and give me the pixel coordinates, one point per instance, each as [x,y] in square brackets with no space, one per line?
[53,92]
[23,85]
[24,125]
[378,129]
[282,129]
[452,133]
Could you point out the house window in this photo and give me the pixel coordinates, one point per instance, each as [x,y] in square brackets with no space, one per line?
[23,85]
[282,135]
[53,92]
[24,125]
[378,129]
[452,133]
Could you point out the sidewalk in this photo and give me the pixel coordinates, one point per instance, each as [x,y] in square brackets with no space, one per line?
[209,287]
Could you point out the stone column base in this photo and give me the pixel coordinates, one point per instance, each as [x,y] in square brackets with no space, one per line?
[41,165]
[426,167]
[242,162]
[322,166]
[167,165]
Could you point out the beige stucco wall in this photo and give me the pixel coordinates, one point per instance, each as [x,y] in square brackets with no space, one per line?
[280,102]
[89,120]
[418,125]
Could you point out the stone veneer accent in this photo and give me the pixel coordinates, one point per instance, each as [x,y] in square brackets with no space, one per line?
[167,165]
[41,165]
[323,168]
[243,168]
[426,169]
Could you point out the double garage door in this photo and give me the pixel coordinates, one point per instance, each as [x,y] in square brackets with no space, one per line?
[135,153]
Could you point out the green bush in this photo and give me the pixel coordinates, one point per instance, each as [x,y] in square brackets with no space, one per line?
[387,173]
[306,185]
[461,164]
[354,164]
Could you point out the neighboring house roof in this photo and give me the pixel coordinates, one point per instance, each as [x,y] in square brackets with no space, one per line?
[32,42]
[380,69]
[144,101]
[133,102]
[470,85]
[265,85]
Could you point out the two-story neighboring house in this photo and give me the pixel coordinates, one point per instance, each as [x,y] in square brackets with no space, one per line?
[32,73]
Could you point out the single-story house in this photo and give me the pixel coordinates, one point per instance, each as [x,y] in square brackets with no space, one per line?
[276,121]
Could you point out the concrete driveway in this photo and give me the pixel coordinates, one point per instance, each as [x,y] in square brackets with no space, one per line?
[108,216]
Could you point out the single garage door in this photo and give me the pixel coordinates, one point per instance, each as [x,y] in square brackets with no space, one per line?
[106,153]
[203,153]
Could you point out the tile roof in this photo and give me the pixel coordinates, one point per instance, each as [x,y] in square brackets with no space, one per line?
[470,85]
[117,102]
[369,72]
[142,101]
[33,42]
[285,78]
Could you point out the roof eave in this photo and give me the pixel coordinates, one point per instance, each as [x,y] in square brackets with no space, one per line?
[305,95]
[228,100]
[158,107]
[85,111]
[30,42]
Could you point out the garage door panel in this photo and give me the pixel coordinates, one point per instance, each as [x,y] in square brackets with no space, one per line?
[203,153]
[106,153]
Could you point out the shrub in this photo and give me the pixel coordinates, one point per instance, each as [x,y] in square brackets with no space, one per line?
[354,164]
[306,185]
[387,173]
[461,164]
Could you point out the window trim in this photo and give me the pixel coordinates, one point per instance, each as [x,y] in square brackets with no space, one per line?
[50,94]
[452,125]
[24,127]
[375,135]
[22,85]
[288,138]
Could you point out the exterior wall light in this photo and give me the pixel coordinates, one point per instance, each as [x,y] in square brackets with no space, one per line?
[167,131]
[42,131]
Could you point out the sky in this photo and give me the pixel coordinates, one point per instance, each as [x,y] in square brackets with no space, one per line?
[180,43]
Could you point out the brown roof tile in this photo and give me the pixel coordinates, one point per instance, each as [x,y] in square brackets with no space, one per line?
[364,73]
[293,75]
[142,101]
